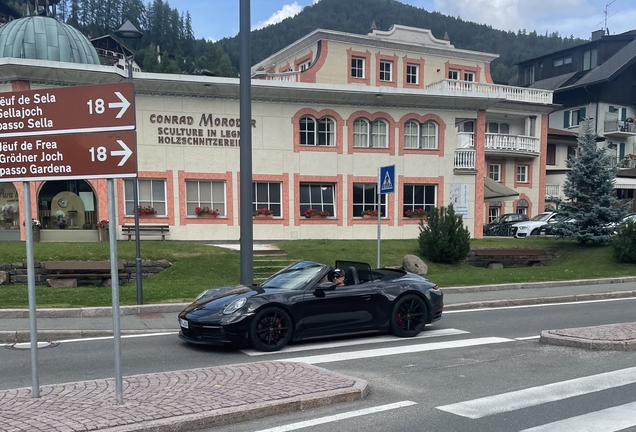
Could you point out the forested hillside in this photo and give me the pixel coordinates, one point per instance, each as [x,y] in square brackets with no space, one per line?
[181,52]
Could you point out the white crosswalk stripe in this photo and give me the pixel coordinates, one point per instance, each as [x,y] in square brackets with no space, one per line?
[607,420]
[511,401]
[359,341]
[405,349]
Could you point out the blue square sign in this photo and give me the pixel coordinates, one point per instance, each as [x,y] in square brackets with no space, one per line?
[386,180]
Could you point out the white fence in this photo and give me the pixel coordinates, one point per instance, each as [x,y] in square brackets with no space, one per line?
[521,94]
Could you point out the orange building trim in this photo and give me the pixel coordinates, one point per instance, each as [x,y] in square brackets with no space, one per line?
[371,117]
[439,181]
[337,180]
[480,162]
[476,70]
[420,78]
[543,162]
[184,219]
[441,133]
[160,175]
[357,219]
[318,115]
[366,56]
[309,75]
[525,197]
[394,70]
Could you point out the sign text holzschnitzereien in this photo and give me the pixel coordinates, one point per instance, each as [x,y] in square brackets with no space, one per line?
[98,108]
[72,156]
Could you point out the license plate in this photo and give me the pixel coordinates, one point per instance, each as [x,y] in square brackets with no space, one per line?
[183,323]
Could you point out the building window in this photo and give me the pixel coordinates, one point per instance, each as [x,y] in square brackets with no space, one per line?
[522,207]
[151,193]
[268,195]
[385,70]
[468,126]
[365,197]
[319,196]
[551,155]
[412,72]
[469,76]
[493,211]
[419,196]
[357,67]
[453,74]
[205,193]
[522,174]
[571,152]
[423,136]
[499,128]
[562,61]
[573,117]
[528,75]
[494,172]
[317,132]
[303,66]
[374,134]
[590,59]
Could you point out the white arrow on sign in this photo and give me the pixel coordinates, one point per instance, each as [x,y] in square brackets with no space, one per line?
[124,104]
[126,153]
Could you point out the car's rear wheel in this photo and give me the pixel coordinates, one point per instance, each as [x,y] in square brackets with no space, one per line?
[409,316]
[271,329]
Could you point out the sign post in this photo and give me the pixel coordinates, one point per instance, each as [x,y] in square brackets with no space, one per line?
[69,134]
[386,185]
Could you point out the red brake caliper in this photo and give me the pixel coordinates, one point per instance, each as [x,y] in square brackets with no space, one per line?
[399,318]
[278,325]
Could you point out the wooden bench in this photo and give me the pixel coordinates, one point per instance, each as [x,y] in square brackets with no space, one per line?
[146,229]
[80,269]
[507,257]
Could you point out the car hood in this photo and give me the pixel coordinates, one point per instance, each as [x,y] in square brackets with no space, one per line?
[218,298]
[529,224]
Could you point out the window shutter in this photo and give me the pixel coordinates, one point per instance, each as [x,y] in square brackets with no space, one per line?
[581,113]
[621,151]
[566,119]
[623,114]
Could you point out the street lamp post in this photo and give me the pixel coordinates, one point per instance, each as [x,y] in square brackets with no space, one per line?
[129,31]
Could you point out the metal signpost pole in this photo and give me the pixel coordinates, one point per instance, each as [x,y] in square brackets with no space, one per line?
[114,284]
[129,31]
[28,225]
[379,211]
[246,222]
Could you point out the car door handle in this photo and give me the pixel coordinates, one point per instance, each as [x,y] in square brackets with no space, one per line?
[366,297]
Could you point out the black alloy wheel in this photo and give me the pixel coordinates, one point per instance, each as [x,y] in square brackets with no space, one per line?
[271,329]
[409,316]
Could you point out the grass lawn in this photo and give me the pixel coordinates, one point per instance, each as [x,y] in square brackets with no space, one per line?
[196,267]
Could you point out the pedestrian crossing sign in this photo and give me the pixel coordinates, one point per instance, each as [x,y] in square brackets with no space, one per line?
[386,179]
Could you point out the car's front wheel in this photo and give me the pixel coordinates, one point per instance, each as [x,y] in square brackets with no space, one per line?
[271,329]
[409,316]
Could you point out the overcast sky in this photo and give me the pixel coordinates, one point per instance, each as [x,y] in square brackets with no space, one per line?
[216,19]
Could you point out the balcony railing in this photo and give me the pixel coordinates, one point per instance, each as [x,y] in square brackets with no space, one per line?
[465,159]
[494,142]
[619,126]
[552,190]
[283,76]
[520,94]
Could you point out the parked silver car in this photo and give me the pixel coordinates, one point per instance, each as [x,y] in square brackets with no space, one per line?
[541,224]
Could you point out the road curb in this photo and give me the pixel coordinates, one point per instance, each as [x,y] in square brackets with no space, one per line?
[610,337]
[539,300]
[533,285]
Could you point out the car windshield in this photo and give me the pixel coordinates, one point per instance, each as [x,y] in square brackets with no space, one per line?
[294,277]
[541,217]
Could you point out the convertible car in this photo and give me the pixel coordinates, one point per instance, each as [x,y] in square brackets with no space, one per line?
[302,302]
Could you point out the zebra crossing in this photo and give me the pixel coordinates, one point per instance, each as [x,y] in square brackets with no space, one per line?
[607,420]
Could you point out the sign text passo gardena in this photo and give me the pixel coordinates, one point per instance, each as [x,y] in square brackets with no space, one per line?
[72,156]
[100,108]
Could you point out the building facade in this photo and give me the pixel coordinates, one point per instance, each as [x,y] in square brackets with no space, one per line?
[327,112]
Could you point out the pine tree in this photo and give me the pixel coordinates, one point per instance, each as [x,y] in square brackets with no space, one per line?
[444,238]
[589,186]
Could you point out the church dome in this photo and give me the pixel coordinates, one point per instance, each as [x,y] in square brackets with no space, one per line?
[45,38]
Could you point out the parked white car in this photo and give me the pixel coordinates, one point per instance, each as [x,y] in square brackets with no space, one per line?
[538,225]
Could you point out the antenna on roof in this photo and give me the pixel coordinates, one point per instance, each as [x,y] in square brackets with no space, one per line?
[606,17]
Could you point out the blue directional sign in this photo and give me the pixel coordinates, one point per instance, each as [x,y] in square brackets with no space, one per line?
[386,180]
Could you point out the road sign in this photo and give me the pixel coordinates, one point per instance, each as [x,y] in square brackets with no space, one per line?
[386,179]
[71,156]
[99,108]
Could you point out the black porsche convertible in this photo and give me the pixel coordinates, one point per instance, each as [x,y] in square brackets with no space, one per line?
[302,302]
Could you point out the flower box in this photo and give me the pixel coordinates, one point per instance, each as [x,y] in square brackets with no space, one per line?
[263,216]
[367,216]
[207,216]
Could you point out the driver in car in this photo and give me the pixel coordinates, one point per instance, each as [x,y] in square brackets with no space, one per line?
[338,277]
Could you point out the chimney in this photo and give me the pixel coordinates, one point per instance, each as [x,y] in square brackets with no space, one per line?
[446,37]
[596,35]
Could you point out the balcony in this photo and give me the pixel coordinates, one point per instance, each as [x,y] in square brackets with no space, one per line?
[517,94]
[465,160]
[283,76]
[501,144]
[552,191]
[615,128]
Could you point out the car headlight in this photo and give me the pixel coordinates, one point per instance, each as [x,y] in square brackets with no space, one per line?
[234,306]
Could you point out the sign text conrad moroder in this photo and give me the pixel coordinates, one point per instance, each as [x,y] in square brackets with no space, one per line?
[211,130]
[38,157]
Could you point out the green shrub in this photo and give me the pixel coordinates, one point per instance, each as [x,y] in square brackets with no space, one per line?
[624,243]
[444,239]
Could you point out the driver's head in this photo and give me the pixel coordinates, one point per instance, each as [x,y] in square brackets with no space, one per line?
[338,275]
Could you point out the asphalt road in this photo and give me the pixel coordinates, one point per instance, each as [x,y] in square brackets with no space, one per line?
[433,382]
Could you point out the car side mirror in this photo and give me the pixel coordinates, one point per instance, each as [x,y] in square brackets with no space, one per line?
[325,286]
